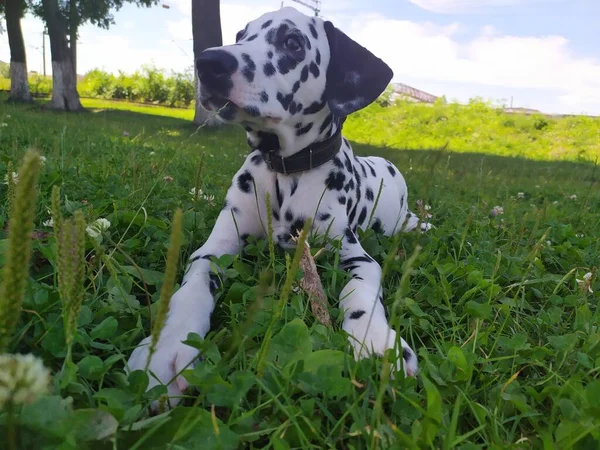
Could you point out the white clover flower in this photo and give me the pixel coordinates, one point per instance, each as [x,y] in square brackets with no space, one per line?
[586,283]
[14,177]
[520,195]
[151,153]
[496,211]
[555,202]
[43,159]
[193,193]
[3,124]
[95,229]
[23,378]
[48,223]
[168,178]
[573,197]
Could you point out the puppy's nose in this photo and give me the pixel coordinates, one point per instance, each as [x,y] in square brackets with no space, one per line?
[216,64]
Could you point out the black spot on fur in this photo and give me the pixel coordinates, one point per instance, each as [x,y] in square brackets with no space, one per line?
[370,195]
[362,216]
[352,215]
[357,314]
[304,74]
[285,100]
[338,162]
[269,69]
[313,30]
[251,38]
[324,216]
[297,226]
[377,226]
[264,97]
[350,185]
[401,201]
[392,170]
[275,215]
[326,123]
[278,193]
[304,130]
[314,69]
[347,162]
[315,107]
[252,111]
[257,159]
[249,69]
[350,237]
[215,282]
[406,355]
[245,182]
[373,173]
[296,87]
[288,215]
[235,210]
[286,63]
[342,199]
[349,205]
[357,259]
[335,180]
[269,54]
[266,24]
[318,57]
[294,186]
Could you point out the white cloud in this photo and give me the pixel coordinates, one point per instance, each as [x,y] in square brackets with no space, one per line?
[425,53]
[471,6]
[433,53]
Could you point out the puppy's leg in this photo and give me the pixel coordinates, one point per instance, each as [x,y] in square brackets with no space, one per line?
[192,305]
[364,313]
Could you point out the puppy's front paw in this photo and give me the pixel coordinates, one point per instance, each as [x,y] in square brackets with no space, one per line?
[169,359]
[379,338]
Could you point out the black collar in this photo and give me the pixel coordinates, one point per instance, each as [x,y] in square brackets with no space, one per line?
[308,158]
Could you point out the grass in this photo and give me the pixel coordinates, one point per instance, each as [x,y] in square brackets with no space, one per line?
[507,339]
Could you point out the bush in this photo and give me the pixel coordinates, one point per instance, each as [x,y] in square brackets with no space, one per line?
[97,83]
[150,85]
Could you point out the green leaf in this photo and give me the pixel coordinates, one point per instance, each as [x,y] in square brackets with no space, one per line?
[292,343]
[93,424]
[105,329]
[91,367]
[563,343]
[150,277]
[478,310]
[322,358]
[433,416]
[138,381]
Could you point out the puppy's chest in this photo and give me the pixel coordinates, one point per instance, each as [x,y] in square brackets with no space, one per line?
[294,199]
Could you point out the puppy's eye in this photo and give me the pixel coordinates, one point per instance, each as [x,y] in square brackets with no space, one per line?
[292,44]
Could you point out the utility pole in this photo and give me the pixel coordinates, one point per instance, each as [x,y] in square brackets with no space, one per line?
[44,49]
[313,5]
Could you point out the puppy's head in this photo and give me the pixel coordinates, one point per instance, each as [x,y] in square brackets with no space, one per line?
[288,69]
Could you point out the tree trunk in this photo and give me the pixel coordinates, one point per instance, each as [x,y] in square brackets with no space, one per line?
[64,81]
[206,31]
[73,34]
[19,84]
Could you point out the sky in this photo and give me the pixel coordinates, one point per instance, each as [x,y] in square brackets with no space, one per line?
[541,54]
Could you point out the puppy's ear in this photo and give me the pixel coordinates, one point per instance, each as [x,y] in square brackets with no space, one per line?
[355,76]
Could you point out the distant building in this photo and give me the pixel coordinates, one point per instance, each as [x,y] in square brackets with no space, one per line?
[405,92]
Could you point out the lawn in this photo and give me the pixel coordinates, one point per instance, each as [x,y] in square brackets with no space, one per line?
[506,335]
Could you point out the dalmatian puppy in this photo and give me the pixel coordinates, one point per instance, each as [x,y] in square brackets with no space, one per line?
[291,80]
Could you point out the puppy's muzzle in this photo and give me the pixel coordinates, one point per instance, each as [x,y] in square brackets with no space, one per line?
[215,68]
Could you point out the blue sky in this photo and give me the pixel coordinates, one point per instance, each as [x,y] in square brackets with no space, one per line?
[542,53]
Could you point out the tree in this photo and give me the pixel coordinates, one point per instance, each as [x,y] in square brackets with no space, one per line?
[63,20]
[206,31]
[19,84]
